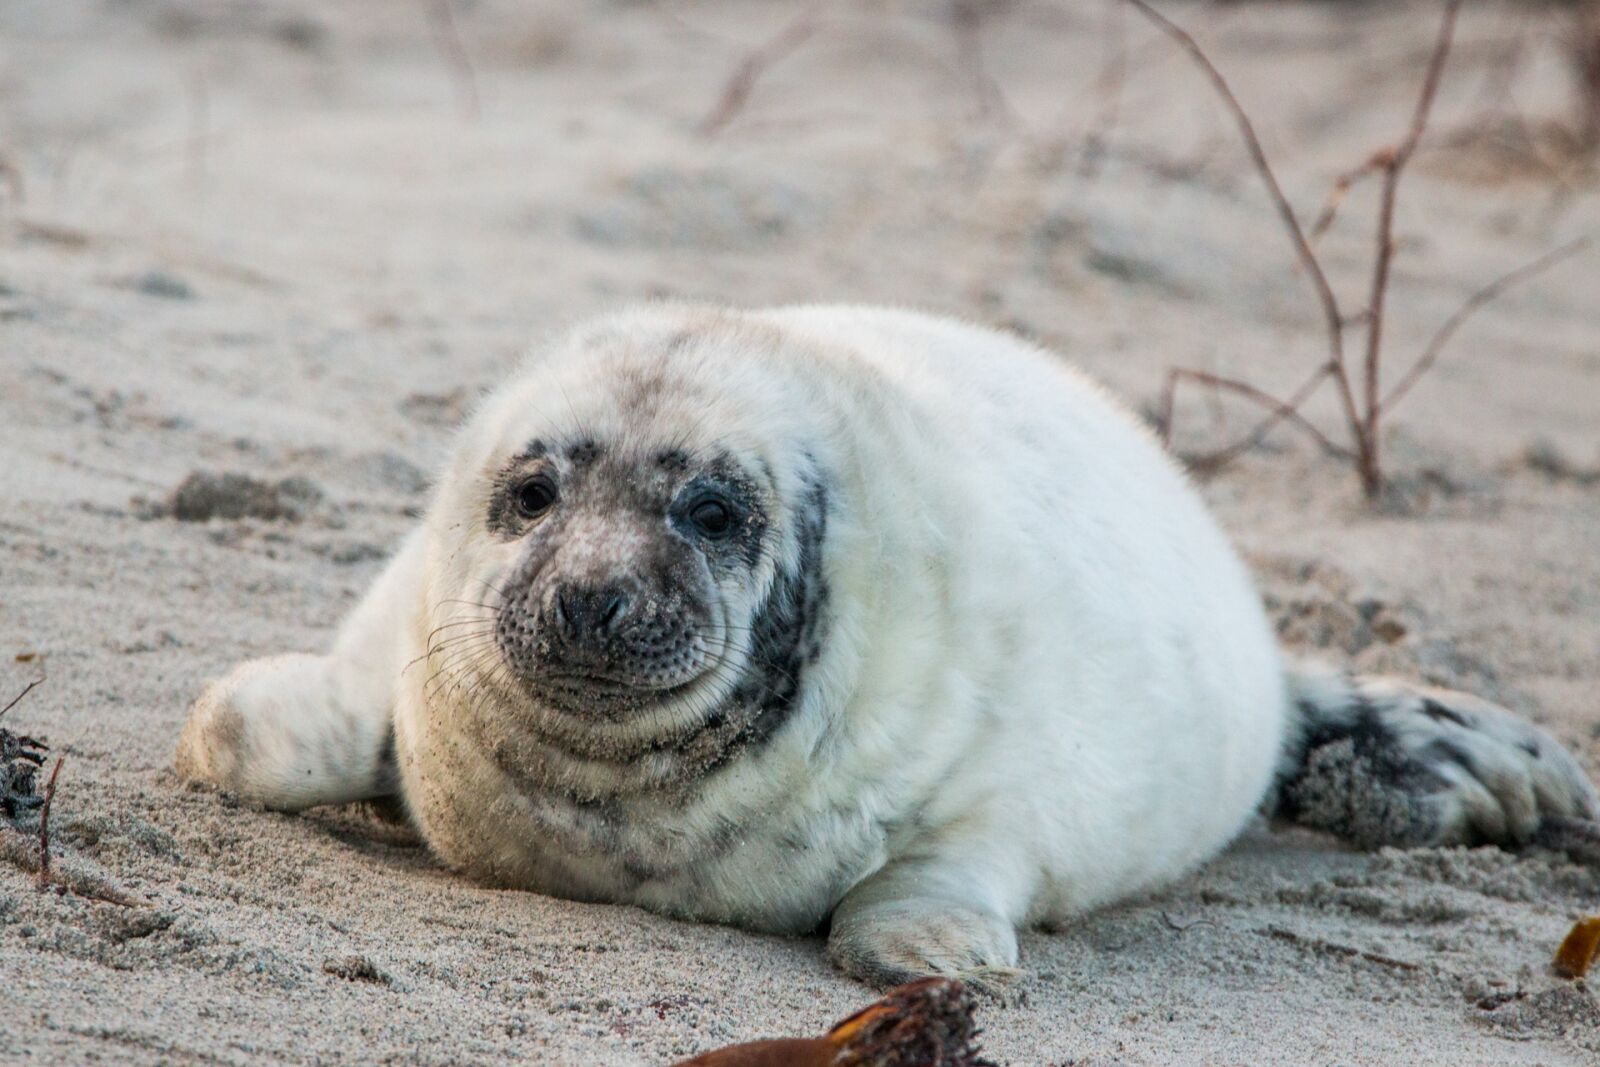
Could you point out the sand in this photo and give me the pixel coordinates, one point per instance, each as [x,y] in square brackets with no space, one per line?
[283,240]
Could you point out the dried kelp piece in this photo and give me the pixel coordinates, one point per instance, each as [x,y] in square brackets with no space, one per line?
[1578,951]
[924,1024]
[21,757]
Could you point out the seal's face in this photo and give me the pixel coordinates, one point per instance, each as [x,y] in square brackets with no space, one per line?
[630,585]
[628,563]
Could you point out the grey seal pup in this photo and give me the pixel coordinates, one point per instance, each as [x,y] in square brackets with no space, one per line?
[842,615]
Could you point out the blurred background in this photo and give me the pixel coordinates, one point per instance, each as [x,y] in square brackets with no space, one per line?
[491,168]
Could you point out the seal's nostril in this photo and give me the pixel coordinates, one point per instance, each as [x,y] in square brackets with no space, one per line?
[613,611]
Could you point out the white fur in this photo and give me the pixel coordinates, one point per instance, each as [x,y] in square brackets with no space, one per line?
[1047,683]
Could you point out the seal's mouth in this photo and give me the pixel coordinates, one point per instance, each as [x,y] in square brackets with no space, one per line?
[591,694]
[612,687]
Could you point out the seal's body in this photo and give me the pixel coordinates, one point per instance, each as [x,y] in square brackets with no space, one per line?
[761,617]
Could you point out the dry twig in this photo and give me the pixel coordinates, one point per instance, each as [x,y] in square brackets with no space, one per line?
[1341,188]
[1362,416]
[447,39]
[1316,944]
[1109,88]
[736,90]
[1483,296]
[1308,258]
[1586,58]
[1182,928]
[44,823]
[1282,410]
[30,687]
[1393,166]
[966,22]
[13,179]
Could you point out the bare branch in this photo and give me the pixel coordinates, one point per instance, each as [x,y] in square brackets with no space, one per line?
[1281,411]
[447,39]
[1316,944]
[18,698]
[1393,165]
[966,23]
[736,91]
[1487,294]
[13,179]
[1109,88]
[1585,52]
[1308,258]
[44,823]
[1341,187]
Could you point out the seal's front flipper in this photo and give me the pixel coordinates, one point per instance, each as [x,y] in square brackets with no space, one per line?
[292,732]
[950,908]
[1380,762]
[275,732]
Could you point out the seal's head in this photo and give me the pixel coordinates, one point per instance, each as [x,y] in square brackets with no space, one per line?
[635,527]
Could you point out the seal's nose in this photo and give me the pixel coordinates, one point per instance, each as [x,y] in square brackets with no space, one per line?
[591,612]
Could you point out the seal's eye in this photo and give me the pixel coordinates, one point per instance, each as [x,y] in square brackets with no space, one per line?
[535,496]
[711,517]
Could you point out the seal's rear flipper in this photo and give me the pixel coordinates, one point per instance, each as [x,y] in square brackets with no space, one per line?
[1379,762]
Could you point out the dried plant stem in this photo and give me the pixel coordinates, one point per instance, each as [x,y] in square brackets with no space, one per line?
[447,39]
[1281,410]
[1297,235]
[1586,57]
[1317,944]
[44,823]
[736,90]
[13,179]
[1393,165]
[1341,188]
[1363,416]
[966,22]
[31,686]
[1109,88]
[1487,294]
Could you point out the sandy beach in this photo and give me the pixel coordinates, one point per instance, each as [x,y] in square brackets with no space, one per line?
[295,241]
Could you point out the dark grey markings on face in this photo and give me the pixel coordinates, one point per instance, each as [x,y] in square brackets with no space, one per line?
[785,640]
[600,639]
[779,643]
[725,481]
[665,587]
[588,813]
